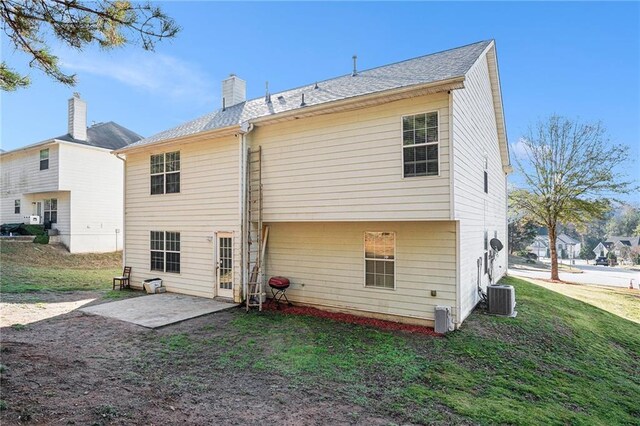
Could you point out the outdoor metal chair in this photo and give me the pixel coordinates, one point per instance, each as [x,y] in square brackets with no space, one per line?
[124,279]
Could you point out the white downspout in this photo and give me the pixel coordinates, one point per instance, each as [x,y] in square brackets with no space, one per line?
[453,214]
[124,203]
[245,129]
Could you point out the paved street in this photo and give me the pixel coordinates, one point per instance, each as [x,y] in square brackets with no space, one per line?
[598,275]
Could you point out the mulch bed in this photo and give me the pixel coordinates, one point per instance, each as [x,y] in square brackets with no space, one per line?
[352,319]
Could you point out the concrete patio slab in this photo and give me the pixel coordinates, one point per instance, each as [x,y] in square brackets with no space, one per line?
[158,310]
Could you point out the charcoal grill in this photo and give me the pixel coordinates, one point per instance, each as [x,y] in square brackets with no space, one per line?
[279,286]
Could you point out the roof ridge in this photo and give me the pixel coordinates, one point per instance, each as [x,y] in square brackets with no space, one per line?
[370,69]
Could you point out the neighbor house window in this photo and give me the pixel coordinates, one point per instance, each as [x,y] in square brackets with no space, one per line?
[165,251]
[165,173]
[379,259]
[44,159]
[420,144]
[16,207]
[51,211]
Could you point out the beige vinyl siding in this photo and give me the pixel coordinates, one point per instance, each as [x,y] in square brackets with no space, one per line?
[20,174]
[325,263]
[208,202]
[474,133]
[94,176]
[348,166]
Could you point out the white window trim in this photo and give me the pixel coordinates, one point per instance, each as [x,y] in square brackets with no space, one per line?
[49,210]
[165,173]
[165,251]
[395,265]
[40,159]
[402,146]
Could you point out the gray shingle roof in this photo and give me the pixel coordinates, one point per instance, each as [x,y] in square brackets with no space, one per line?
[628,241]
[422,70]
[105,135]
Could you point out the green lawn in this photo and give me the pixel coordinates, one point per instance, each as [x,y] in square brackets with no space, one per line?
[28,267]
[561,361]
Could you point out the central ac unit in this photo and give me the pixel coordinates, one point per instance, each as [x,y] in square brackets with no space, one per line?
[502,300]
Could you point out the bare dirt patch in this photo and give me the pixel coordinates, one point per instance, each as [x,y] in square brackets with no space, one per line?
[18,309]
[81,369]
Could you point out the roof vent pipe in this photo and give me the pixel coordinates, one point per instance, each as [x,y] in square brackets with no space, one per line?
[355,66]
[302,103]
[267,96]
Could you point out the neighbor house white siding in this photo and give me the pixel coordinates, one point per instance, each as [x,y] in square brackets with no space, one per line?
[348,166]
[208,202]
[475,138]
[325,263]
[21,174]
[94,177]
[86,181]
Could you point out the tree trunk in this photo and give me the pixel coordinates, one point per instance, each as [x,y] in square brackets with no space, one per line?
[554,253]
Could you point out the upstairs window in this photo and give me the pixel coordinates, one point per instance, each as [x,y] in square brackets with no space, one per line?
[16,207]
[420,144]
[486,174]
[165,173]
[380,259]
[165,251]
[486,182]
[44,159]
[51,210]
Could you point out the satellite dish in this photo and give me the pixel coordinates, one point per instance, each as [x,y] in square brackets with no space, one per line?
[496,244]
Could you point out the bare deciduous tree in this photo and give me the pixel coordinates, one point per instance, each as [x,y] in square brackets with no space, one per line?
[28,23]
[571,172]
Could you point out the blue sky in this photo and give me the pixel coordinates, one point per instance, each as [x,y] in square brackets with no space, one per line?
[575,59]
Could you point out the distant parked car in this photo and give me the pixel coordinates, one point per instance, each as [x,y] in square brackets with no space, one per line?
[532,256]
[602,261]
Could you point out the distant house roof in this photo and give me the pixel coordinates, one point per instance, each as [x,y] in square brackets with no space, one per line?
[108,135]
[433,68]
[627,241]
[540,241]
[565,239]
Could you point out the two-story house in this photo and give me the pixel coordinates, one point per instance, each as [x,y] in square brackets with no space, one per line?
[71,183]
[375,193]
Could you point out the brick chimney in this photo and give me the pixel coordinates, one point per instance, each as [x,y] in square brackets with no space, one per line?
[77,118]
[234,91]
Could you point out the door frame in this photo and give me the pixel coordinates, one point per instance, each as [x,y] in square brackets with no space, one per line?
[221,292]
[38,210]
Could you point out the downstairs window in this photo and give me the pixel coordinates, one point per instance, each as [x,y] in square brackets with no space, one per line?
[379,259]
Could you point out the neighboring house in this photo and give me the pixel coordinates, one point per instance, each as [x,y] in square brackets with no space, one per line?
[569,246]
[564,244]
[540,246]
[70,183]
[601,250]
[623,247]
[381,190]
